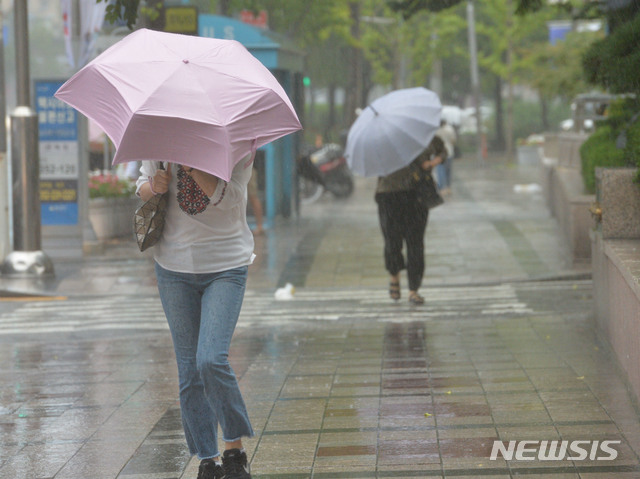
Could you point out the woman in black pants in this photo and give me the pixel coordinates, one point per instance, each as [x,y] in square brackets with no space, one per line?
[403,220]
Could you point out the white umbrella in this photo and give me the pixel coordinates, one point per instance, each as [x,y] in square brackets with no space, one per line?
[392,131]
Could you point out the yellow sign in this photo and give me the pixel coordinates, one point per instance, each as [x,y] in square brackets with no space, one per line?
[181,20]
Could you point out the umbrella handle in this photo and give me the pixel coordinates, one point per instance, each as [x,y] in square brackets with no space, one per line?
[254,147]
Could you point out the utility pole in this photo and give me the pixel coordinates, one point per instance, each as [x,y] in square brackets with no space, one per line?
[475,78]
[27,259]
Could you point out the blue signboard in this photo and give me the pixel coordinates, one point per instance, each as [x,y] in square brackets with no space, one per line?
[58,134]
[255,39]
[558,31]
[57,121]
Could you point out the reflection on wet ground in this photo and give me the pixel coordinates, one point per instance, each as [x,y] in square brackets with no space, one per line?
[340,382]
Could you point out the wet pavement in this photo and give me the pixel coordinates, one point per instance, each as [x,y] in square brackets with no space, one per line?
[340,381]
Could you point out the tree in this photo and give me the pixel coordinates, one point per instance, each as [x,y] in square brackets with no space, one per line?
[556,70]
[408,8]
[438,50]
[126,10]
[614,62]
[506,38]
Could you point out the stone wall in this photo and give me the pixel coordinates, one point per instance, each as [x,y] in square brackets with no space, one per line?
[565,195]
[616,268]
[616,278]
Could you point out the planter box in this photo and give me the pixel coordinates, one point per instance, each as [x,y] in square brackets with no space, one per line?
[567,202]
[568,148]
[616,289]
[112,217]
[529,155]
[616,267]
[565,194]
[619,199]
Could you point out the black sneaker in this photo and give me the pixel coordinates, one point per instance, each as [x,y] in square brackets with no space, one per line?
[210,470]
[234,463]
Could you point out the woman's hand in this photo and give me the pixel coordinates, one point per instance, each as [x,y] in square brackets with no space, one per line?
[429,164]
[156,185]
[206,181]
[160,181]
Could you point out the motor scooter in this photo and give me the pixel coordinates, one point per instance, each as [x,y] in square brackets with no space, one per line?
[324,169]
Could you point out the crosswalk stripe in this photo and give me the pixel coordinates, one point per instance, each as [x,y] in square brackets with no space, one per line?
[123,312]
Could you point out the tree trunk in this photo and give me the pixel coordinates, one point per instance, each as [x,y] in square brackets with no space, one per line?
[498,142]
[224,8]
[331,118]
[354,87]
[509,129]
[544,109]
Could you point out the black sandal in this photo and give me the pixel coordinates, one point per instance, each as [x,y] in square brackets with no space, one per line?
[415,298]
[394,290]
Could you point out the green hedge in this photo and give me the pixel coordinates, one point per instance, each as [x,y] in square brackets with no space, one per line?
[613,63]
[632,150]
[599,150]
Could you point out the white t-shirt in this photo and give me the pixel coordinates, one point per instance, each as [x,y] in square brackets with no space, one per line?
[216,239]
[448,135]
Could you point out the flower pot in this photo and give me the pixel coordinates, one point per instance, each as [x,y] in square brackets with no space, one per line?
[112,217]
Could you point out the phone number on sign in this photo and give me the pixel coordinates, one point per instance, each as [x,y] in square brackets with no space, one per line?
[52,170]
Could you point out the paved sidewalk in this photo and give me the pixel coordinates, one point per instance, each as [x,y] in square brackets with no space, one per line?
[486,232]
[340,382]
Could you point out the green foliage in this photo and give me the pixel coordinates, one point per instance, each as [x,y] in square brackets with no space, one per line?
[527,118]
[440,36]
[556,70]
[602,148]
[127,10]
[625,120]
[411,7]
[122,9]
[632,148]
[319,123]
[599,150]
[527,6]
[614,62]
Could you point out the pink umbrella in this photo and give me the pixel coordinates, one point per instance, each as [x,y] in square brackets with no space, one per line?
[200,102]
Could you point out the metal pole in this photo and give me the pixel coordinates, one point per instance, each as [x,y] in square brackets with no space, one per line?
[475,78]
[88,233]
[26,259]
[21,26]
[4,170]
[26,180]
[3,103]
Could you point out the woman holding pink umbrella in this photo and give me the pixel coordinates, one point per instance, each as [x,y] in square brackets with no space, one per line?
[201,266]
[200,105]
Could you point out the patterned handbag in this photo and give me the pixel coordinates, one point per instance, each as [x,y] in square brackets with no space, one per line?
[148,220]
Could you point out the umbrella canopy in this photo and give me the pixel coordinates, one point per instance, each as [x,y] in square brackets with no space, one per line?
[200,102]
[392,131]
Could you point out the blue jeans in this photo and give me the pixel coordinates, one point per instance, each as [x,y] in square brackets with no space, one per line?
[443,173]
[202,311]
